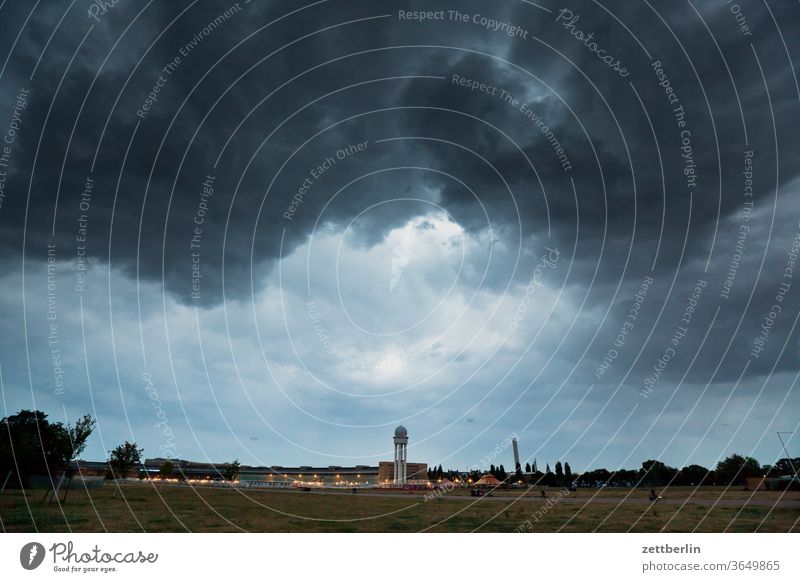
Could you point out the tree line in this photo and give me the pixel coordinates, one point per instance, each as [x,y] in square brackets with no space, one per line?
[731,471]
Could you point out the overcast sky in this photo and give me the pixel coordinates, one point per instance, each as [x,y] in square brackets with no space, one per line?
[273,231]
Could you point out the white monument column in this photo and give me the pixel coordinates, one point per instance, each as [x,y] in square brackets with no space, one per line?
[400,455]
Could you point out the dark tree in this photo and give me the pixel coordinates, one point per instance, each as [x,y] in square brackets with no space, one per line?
[548,479]
[122,459]
[656,473]
[568,473]
[78,435]
[492,470]
[627,476]
[527,467]
[31,445]
[735,469]
[785,466]
[693,475]
[547,469]
[231,470]
[559,473]
[166,470]
[595,477]
[501,473]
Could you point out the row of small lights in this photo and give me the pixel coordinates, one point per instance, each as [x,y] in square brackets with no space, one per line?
[207,479]
[317,476]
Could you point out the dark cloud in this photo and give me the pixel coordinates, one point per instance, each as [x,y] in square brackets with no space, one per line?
[268,118]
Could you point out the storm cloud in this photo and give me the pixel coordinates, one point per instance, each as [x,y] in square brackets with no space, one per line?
[309,223]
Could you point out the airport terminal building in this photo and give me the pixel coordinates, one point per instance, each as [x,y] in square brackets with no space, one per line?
[388,473]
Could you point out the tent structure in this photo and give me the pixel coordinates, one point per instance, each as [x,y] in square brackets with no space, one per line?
[488,480]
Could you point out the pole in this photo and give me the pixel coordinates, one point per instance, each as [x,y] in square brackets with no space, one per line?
[788,457]
[67,488]
[57,488]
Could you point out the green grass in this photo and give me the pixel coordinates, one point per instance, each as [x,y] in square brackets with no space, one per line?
[165,508]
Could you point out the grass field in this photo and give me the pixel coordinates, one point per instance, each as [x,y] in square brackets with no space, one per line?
[166,508]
